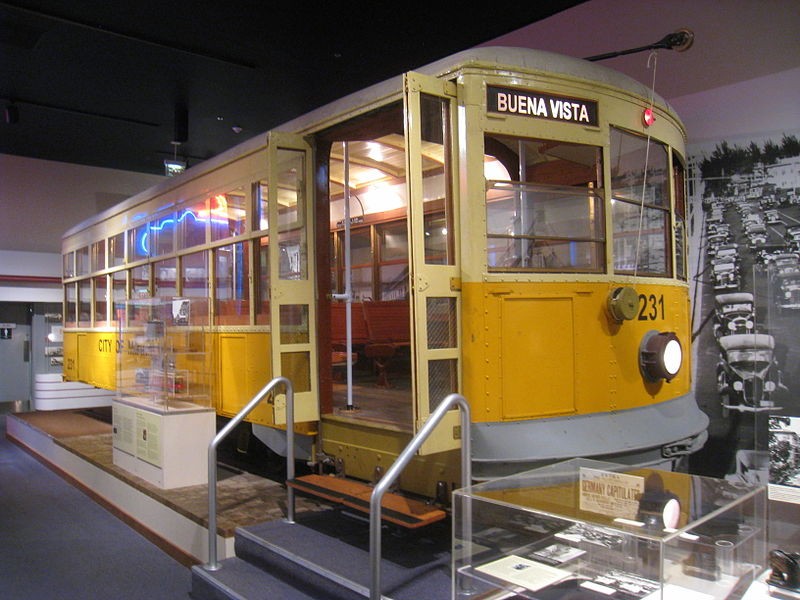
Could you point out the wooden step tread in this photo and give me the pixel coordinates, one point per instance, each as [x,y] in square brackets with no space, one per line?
[395,508]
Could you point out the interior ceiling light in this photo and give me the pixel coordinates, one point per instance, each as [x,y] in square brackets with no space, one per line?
[660,355]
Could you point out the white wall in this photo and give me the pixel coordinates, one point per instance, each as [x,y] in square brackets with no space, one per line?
[30,264]
[42,199]
[763,107]
[39,201]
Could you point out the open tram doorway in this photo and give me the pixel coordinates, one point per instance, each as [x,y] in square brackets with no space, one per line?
[387,192]
[368,273]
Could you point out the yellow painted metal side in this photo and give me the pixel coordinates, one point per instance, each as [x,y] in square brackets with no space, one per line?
[529,359]
[542,349]
[363,447]
[70,370]
[244,368]
[93,359]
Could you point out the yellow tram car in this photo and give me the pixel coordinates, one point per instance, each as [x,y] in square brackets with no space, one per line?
[502,223]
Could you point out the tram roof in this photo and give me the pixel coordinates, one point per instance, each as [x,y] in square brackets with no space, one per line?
[494,58]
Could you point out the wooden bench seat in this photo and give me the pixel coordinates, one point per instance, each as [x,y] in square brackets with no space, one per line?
[389,328]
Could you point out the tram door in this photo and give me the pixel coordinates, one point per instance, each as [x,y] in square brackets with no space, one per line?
[292,306]
[435,279]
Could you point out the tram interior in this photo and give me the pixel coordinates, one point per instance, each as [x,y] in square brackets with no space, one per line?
[544,213]
[380,380]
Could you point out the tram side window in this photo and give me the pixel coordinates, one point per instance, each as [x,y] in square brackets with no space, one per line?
[69,265]
[261,269]
[232,289]
[379,266]
[292,227]
[98,256]
[228,214]
[116,250]
[393,261]
[85,303]
[161,235]
[544,206]
[640,205]
[165,281]
[261,213]
[140,282]
[82,261]
[679,183]
[100,300]
[138,243]
[194,284]
[436,188]
[119,289]
[192,221]
[70,304]
[361,263]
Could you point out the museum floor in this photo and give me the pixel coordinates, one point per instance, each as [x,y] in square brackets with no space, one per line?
[244,498]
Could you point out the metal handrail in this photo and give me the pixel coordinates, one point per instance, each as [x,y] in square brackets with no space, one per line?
[213,563]
[402,461]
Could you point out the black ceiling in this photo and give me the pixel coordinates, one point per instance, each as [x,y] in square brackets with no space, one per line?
[97,83]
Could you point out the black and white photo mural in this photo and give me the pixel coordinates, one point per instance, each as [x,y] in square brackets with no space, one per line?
[745,256]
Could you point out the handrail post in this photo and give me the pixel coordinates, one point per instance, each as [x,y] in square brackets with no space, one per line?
[402,461]
[213,563]
[289,453]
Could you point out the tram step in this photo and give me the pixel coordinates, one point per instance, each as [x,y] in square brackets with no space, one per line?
[325,555]
[395,508]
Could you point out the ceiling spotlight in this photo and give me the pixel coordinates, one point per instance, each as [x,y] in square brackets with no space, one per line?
[174,166]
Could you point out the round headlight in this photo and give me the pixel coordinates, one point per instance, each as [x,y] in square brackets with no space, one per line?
[660,355]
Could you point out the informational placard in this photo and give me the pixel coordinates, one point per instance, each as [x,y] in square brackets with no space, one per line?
[148,442]
[521,571]
[608,493]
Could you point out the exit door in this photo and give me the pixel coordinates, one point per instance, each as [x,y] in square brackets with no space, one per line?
[15,365]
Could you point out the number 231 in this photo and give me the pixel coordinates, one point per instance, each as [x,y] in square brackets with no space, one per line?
[651,307]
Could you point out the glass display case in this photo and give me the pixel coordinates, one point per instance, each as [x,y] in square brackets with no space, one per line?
[589,529]
[163,418]
[161,355]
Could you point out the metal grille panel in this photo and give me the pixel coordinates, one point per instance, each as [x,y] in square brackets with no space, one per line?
[441,323]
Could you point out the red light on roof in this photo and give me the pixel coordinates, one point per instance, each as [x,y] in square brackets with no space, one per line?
[648,117]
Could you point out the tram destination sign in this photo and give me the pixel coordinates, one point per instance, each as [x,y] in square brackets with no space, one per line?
[537,105]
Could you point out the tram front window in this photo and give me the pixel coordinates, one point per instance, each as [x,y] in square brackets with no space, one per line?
[544,206]
[640,205]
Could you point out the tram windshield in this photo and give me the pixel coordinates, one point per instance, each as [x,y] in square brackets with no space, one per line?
[544,206]
[640,205]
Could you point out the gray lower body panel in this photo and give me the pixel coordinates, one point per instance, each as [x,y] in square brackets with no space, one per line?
[654,435]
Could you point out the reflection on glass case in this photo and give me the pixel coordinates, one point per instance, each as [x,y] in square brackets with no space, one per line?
[161,355]
[589,529]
